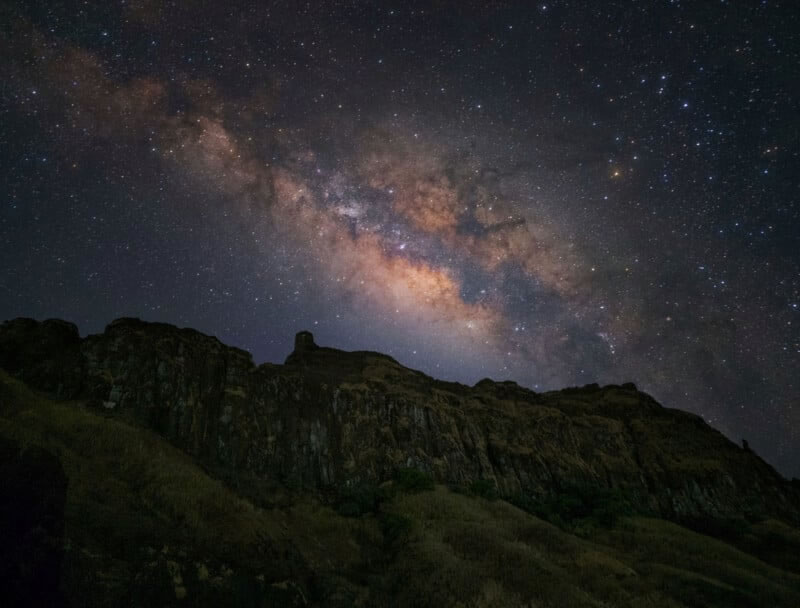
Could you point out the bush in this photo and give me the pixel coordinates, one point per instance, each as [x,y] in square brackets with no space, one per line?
[357,500]
[578,506]
[395,527]
[413,480]
[485,488]
[724,528]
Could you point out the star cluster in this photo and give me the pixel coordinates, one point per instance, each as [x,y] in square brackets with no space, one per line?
[554,193]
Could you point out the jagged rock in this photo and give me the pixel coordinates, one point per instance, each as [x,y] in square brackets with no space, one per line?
[45,355]
[332,417]
[304,342]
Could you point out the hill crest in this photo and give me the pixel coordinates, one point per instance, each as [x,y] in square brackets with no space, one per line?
[329,417]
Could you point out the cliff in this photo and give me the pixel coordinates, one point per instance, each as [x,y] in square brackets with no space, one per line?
[155,466]
[328,418]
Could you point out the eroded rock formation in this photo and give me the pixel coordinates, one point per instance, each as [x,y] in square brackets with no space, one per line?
[332,417]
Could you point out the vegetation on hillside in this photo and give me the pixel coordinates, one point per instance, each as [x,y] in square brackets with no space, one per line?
[145,525]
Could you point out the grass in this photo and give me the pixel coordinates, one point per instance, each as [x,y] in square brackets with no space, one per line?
[139,509]
[637,561]
[124,470]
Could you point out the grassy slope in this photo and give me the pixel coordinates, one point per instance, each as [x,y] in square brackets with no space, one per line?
[137,505]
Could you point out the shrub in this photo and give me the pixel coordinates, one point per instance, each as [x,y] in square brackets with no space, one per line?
[724,528]
[409,479]
[357,500]
[577,506]
[395,527]
[485,488]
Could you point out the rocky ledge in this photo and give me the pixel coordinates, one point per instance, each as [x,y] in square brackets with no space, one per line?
[328,417]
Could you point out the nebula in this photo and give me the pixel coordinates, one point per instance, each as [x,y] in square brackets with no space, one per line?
[478,192]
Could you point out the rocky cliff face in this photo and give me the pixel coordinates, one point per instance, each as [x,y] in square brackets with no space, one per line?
[328,417]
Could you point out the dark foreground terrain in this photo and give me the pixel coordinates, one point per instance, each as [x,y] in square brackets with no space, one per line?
[155,466]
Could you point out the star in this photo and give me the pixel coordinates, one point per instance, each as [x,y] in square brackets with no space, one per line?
[507,191]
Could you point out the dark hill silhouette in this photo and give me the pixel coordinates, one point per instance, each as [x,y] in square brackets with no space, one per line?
[350,430]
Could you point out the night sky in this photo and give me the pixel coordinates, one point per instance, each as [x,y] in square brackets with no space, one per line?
[555,193]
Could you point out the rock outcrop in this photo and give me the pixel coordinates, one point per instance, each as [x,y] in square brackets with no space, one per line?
[328,417]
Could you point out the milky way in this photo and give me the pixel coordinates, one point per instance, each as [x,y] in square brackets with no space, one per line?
[555,193]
